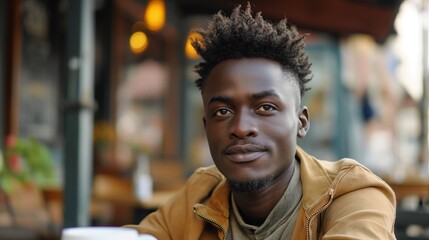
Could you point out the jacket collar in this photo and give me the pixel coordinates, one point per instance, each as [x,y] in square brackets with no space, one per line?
[316,181]
[216,209]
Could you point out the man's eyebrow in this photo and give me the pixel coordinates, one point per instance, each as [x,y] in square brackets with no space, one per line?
[223,99]
[268,93]
[255,96]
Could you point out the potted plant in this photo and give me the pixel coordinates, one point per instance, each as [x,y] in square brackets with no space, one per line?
[25,160]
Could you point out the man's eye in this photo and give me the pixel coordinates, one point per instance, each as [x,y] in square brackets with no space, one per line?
[222,112]
[266,108]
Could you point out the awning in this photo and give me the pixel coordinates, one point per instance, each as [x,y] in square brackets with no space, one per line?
[339,17]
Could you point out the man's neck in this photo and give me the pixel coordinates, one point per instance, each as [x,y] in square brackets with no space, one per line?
[255,206]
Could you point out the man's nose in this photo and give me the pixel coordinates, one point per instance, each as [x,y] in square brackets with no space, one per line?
[243,125]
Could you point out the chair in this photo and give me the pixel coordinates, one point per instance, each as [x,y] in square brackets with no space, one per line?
[30,219]
[412,216]
[412,224]
[114,189]
[113,200]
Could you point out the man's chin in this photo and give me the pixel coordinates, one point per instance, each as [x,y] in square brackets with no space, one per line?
[251,185]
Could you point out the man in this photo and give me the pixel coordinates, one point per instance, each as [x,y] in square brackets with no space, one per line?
[263,186]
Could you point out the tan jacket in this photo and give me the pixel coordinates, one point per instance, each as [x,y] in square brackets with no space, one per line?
[341,200]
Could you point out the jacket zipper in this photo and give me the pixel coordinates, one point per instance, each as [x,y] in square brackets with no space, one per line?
[212,222]
[307,226]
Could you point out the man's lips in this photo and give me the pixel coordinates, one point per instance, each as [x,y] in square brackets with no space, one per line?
[242,153]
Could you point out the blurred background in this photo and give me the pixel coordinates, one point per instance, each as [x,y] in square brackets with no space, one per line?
[101,122]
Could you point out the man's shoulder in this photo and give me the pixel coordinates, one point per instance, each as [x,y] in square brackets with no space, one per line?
[349,175]
[341,164]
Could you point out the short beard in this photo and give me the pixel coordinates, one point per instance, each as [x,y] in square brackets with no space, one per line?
[250,186]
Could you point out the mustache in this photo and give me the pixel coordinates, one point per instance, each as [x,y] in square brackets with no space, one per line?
[243,147]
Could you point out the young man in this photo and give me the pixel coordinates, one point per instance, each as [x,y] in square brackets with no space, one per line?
[264,186]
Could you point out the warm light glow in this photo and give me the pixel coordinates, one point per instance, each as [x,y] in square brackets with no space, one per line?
[189,49]
[155,15]
[138,42]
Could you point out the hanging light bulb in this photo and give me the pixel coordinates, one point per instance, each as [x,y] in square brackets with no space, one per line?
[155,15]
[189,49]
[138,42]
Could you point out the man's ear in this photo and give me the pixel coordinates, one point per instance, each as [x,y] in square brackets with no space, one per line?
[304,122]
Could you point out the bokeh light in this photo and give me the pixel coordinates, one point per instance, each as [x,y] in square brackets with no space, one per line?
[189,49]
[138,42]
[155,15]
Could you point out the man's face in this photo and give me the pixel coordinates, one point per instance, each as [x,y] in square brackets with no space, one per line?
[252,119]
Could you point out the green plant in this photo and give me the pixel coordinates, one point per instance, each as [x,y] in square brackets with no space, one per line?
[25,160]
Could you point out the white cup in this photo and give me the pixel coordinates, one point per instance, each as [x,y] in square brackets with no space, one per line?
[99,233]
[146,237]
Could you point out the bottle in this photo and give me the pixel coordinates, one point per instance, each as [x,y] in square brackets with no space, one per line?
[143,183]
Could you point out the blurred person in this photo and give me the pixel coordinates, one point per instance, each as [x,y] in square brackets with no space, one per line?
[263,186]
